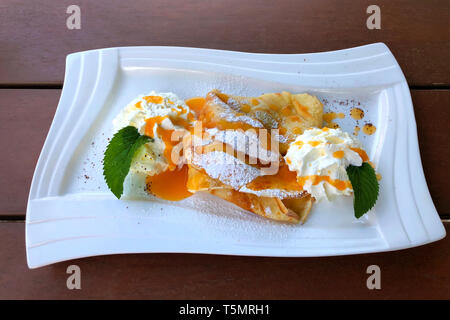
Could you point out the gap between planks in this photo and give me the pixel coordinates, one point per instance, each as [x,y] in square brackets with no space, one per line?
[33,86]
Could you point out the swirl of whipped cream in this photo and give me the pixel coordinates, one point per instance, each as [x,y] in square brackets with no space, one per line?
[156,115]
[320,158]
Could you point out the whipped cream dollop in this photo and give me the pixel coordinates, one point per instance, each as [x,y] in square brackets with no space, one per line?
[154,104]
[320,158]
[156,115]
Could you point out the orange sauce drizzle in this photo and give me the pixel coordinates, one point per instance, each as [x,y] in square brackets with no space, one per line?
[283,179]
[315,179]
[150,124]
[273,107]
[302,109]
[357,113]
[153,99]
[338,154]
[222,96]
[330,116]
[314,143]
[165,135]
[170,184]
[361,153]
[369,129]
[286,111]
[196,104]
[246,108]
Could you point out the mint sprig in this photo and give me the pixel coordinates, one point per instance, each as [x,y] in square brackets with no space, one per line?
[365,188]
[118,156]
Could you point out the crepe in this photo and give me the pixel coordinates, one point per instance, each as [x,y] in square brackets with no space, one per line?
[293,210]
[290,113]
[198,180]
[301,206]
[271,208]
[277,197]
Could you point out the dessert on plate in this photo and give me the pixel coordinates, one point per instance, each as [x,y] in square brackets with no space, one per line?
[269,155]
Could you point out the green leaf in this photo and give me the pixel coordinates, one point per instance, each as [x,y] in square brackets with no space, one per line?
[365,188]
[118,156]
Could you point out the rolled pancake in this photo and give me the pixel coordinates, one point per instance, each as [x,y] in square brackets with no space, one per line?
[287,210]
[301,206]
[271,208]
[290,113]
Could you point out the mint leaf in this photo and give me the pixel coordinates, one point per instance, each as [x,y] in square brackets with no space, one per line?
[365,188]
[118,156]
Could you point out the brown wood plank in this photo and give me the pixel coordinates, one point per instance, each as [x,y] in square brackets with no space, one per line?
[433,119]
[26,117]
[34,39]
[417,273]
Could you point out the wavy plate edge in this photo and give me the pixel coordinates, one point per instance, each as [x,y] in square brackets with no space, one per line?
[75,66]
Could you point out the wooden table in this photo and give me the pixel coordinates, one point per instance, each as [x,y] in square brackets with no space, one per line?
[34,41]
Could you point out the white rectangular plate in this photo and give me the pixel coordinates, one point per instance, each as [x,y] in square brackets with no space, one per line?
[71,213]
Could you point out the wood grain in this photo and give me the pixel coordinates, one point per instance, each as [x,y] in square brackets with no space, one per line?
[417,273]
[34,39]
[26,117]
[433,131]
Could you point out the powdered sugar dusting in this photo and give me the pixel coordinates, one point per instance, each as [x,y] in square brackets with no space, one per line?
[235,105]
[226,168]
[266,118]
[268,211]
[246,119]
[280,138]
[273,193]
[229,113]
[247,142]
